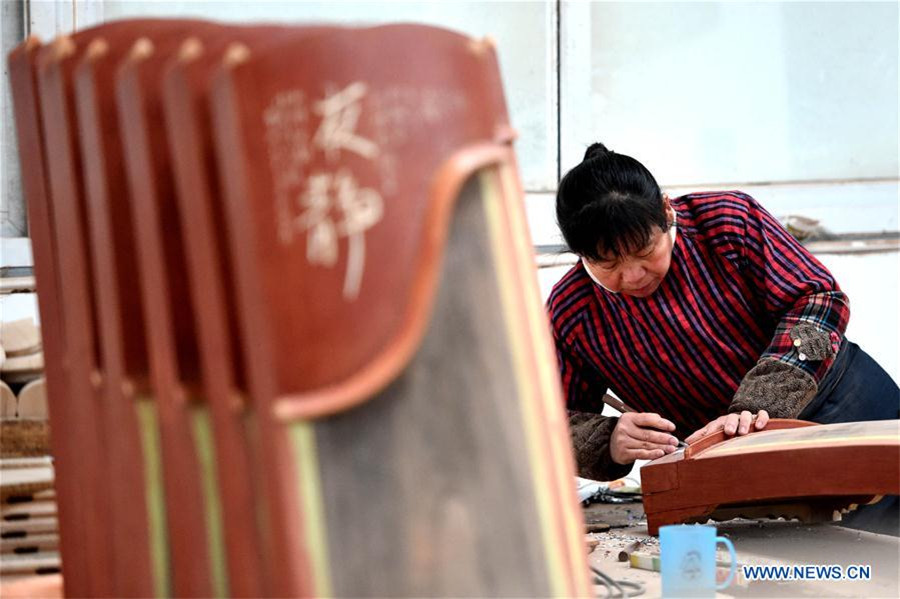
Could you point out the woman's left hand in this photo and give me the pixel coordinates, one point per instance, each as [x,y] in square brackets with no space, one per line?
[732,424]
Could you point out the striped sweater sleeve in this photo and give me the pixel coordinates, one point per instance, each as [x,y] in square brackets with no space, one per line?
[801,295]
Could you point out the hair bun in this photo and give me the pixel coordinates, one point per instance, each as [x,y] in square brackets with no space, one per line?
[595,150]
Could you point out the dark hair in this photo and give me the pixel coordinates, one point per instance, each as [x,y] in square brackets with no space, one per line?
[609,204]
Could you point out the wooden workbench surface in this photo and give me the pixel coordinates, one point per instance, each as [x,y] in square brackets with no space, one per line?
[772,543]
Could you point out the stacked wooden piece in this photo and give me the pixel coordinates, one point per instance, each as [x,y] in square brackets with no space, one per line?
[29,539]
[294,342]
[21,355]
[29,544]
[29,404]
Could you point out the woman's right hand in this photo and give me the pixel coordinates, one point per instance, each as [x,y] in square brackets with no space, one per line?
[640,436]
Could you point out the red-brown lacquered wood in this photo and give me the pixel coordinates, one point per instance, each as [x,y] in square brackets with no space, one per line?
[328,376]
[78,292]
[298,332]
[185,102]
[121,324]
[55,64]
[707,441]
[837,464]
[168,313]
[806,509]
[324,341]
[63,411]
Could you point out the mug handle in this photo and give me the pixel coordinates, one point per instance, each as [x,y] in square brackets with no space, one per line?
[730,548]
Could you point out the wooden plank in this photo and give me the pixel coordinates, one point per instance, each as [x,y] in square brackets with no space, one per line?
[17,284]
[33,401]
[24,476]
[8,402]
[24,528]
[30,509]
[20,337]
[33,155]
[25,481]
[34,563]
[32,543]
[23,367]
[26,462]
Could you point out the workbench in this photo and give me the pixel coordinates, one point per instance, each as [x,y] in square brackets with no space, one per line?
[758,542]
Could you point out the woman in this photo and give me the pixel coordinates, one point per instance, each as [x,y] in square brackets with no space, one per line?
[702,313]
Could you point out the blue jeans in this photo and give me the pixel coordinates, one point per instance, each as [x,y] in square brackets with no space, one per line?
[857,389]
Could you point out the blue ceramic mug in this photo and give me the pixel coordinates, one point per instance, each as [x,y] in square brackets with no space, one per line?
[688,560]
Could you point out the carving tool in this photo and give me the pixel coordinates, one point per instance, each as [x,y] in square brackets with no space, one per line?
[619,405]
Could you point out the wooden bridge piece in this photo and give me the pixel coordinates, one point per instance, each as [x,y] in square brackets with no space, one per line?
[20,337]
[792,469]
[33,401]
[396,348]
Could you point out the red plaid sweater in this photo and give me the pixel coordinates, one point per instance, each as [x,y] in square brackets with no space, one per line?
[737,284]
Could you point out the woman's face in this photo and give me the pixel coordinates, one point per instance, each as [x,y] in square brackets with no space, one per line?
[640,273]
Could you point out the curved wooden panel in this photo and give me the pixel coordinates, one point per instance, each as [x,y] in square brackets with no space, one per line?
[805,471]
[33,400]
[414,378]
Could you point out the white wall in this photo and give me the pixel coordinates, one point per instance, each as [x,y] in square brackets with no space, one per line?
[12,213]
[735,92]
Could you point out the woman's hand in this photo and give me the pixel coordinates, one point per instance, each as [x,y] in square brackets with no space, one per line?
[732,424]
[639,436]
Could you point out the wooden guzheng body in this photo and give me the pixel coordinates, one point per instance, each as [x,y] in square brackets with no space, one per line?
[294,338]
[792,468]
[401,368]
